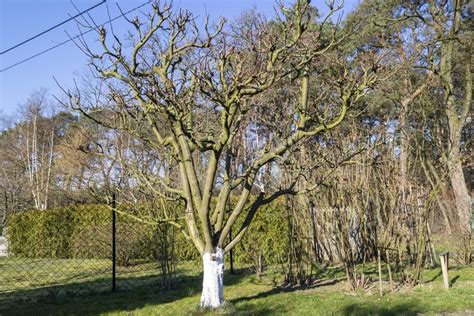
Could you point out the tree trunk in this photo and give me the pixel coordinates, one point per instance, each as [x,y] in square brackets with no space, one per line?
[213,279]
[461,194]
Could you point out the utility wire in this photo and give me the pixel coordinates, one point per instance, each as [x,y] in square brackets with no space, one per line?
[52,28]
[73,38]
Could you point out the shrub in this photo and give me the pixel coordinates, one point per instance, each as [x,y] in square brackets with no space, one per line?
[85,232]
[56,233]
[92,242]
[266,241]
[41,234]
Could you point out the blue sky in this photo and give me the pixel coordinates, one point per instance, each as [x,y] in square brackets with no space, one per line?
[21,19]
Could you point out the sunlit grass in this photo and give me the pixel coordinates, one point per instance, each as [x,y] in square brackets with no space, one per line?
[248,295]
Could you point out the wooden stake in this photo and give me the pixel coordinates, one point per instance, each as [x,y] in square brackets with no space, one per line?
[444,259]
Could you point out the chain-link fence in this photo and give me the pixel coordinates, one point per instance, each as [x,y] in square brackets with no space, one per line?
[80,250]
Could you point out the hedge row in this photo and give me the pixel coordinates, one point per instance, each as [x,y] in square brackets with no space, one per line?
[85,232]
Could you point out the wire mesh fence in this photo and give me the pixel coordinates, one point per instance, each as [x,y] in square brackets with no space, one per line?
[77,251]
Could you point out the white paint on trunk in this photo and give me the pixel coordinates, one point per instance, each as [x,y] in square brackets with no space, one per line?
[213,279]
[3,247]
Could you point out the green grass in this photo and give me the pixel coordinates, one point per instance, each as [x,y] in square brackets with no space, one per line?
[249,295]
[25,273]
[26,279]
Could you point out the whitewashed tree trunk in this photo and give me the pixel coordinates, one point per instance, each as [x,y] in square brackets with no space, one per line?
[213,279]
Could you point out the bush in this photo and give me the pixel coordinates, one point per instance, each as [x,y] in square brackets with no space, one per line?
[55,233]
[92,242]
[85,232]
[266,241]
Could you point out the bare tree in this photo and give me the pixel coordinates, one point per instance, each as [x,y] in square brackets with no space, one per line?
[448,28]
[185,91]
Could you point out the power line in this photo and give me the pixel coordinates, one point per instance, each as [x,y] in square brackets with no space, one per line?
[52,28]
[72,38]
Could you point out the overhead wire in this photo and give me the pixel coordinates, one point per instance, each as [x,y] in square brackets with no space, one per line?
[52,28]
[73,38]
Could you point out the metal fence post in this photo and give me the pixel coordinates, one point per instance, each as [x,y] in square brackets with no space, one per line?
[113,242]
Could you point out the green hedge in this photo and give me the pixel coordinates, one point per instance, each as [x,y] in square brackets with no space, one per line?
[51,233]
[79,232]
[85,232]
[266,238]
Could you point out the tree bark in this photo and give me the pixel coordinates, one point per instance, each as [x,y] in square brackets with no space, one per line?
[456,112]
[213,279]
[461,193]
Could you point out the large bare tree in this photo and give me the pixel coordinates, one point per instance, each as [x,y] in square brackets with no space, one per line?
[190,92]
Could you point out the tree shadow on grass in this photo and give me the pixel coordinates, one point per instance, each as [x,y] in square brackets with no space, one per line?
[329,272]
[286,289]
[453,280]
[407,309]
[247,306]
[261,309]
[350,310]
[434,277]
[439,274]
[96,297]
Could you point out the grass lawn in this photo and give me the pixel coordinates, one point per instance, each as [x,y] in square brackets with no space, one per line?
[249,295]
[26,279]
[26,273]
